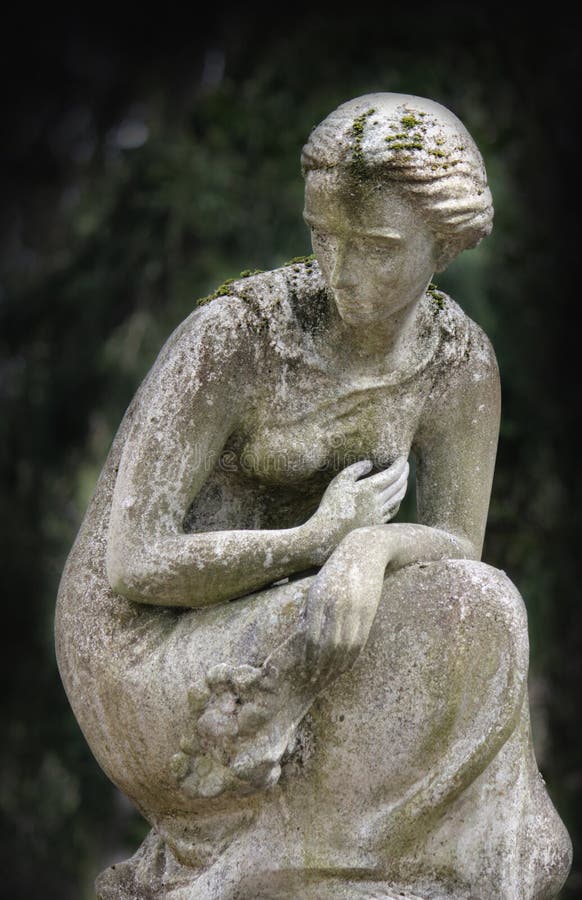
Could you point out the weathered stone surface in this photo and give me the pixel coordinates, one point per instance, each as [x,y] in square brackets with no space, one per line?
[305,699]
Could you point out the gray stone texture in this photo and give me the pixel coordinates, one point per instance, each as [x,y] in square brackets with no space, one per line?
[304,698]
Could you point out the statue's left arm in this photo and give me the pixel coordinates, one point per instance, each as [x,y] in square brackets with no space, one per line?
[455,447]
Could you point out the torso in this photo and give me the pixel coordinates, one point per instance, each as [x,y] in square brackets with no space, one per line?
[314,419]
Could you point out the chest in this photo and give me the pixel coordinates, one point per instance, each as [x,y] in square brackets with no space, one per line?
[321,426]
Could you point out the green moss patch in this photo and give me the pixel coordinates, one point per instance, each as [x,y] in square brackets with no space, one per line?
[225,288]
[357,132]
[436,296]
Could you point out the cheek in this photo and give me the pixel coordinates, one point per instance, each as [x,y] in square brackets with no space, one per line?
[409,267]
[384,268]
[424,255]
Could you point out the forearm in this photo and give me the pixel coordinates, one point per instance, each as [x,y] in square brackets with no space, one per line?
[354,564]
[196,570]
[411,543]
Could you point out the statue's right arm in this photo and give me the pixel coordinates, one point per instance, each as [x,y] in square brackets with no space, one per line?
[185,411]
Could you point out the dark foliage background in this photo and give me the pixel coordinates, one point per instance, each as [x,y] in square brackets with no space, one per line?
[143,162]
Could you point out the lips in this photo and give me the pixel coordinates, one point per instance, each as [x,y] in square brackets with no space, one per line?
[347,295]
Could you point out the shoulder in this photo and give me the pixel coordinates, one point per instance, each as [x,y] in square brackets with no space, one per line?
[243,321]
[263,293]
[465,388]
[466,354]
[267,310]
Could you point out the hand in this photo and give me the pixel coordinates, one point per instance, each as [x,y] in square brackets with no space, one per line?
[351,501]
[342,601]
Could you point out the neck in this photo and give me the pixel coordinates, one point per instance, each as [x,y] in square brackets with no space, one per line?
[393,338]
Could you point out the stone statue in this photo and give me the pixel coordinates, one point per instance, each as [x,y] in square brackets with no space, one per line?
[303,698]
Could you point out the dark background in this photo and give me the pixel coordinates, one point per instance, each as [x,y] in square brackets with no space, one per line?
[145,160]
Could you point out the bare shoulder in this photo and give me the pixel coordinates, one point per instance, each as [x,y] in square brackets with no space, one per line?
[220,330]
[465,387]
[267,312]
[466,355]
[241,332]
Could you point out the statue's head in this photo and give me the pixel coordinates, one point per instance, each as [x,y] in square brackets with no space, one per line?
[395,144]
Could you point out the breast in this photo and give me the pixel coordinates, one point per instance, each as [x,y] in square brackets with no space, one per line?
[329,434]
[274,470]
[274,475]
[233,498]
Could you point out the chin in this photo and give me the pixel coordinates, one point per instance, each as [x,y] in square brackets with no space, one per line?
[351,317]
[358,316]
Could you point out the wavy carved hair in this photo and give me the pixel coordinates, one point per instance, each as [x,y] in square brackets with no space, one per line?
[422,146]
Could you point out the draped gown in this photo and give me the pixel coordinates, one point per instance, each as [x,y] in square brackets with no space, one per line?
[413,774]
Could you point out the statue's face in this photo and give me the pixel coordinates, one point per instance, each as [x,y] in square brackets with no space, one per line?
[374,248]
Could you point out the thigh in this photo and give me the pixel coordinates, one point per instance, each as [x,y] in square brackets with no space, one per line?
[150,690]
[436,692]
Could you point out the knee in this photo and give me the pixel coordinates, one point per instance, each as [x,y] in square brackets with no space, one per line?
[477,600]
[490,588]
[492,606]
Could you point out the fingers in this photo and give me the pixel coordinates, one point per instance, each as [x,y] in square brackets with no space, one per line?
[392,474]
[384,478]
[357,469]
[334,649]
[324,621]
[313,616]
[333,634]
[397,487]
[394,498]
[390,511]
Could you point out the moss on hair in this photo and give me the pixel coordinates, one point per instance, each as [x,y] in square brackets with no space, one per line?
[417,149]
[413,144]
[358,164]
[409,121]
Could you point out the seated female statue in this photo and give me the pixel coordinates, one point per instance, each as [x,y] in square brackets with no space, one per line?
[304,698]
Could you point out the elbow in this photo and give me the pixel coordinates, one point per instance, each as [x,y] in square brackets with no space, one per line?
[124,574]
[130,570]
[125,560]
[148,577]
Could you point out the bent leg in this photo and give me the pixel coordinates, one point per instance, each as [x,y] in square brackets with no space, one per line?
[422,750]
[426,739]
[462,663]
[230,722]
[248,714]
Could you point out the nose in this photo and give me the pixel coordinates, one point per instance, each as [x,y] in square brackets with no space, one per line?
[342,271]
